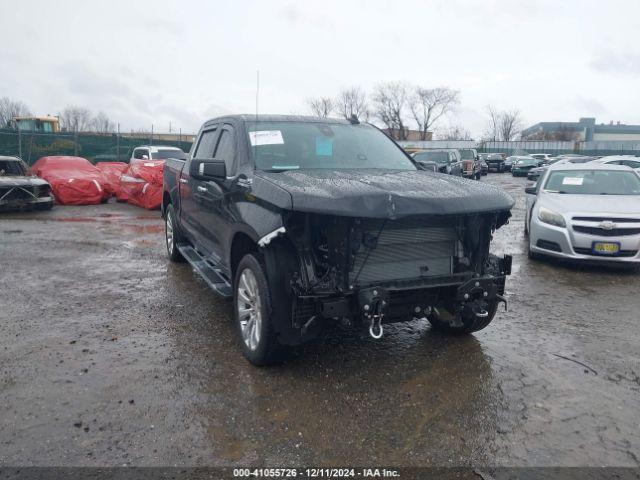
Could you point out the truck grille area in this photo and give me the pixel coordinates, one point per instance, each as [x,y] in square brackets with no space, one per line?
[402,250]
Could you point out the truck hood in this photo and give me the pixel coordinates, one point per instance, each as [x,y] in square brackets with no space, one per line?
[378,193]
[20,181]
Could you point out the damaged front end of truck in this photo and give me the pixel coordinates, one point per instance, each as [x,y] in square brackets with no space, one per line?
[368,271]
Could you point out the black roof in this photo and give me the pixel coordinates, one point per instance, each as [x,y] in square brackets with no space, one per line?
[252,117]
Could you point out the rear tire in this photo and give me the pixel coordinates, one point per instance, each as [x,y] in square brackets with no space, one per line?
[252,304]
[172,236]
[440,323]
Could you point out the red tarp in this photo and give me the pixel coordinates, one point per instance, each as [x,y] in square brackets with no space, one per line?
[112,172]
[141,183]
[74,180]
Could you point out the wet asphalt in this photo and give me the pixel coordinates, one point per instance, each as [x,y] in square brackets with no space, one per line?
[111,355]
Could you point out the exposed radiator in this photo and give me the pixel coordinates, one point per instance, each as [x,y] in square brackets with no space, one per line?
[406,249]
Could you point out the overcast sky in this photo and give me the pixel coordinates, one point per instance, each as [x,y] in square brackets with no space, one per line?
[155,61]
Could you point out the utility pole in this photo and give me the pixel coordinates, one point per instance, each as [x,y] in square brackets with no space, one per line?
[118,143]
[151,138]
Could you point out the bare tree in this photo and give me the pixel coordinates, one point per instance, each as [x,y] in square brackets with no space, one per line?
[75,119]
[455,132]
[321,106]
[352,102]
[389,105]
[11,108]
[510,125]
[428,105]
[101,123]
[492,132]
[503,125]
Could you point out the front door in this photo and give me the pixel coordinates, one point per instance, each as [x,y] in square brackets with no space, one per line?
[214,212]
[193,193]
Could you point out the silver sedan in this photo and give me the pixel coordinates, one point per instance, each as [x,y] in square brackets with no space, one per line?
[588,212]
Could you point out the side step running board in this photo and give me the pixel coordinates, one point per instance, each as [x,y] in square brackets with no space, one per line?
[210,274]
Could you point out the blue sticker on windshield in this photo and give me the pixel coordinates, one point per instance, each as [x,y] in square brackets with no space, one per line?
[324,147]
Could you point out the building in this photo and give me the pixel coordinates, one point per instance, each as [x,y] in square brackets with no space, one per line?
[45,124]
[583,130]
[410,135]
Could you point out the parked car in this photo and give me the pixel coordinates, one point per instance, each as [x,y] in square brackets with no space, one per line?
[484,167]
[73,180]
[586,212]
[471,163]
[309,221]
[19,190]
[448,160]
[627,160]
[522,165]
[496,162]
[543,158]
[157,152]
[535,173]
[508,163]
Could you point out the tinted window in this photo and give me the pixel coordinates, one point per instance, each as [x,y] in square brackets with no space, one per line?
[169,153]
[226,148]
[278,146]
[140,152]
[206,144]
[467,154]
[594,182]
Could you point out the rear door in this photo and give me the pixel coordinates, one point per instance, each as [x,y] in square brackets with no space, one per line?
[192,190]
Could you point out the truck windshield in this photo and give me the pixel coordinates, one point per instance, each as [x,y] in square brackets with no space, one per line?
[593,182]
[280,146]
[164,154]
[438,157]
[467,154]
[12,168]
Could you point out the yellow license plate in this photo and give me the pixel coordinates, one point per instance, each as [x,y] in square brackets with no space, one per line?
[606,248]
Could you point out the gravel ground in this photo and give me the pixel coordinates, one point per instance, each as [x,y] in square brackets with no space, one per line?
[110,355]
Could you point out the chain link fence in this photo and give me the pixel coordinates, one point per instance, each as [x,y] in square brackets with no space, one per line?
[30,146]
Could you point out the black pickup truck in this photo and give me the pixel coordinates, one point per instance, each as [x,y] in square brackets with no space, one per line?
[307,222]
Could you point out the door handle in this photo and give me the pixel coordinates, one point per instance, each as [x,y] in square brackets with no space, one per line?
[202,189]
[184,180]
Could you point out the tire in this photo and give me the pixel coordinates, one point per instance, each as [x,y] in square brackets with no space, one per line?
[252,307]
[532,255]
[469,326]
[172,236]
[478,175]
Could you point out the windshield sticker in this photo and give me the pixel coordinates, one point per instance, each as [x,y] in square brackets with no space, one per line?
[324,147]
[572,180]
[266,137]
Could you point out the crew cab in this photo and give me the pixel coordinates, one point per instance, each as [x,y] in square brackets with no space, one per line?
[445,160]
[19,190]
[307,222]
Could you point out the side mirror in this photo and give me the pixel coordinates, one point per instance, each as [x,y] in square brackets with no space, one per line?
[208,169]
[533,190]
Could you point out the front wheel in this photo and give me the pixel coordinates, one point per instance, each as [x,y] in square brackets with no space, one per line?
[252,308]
